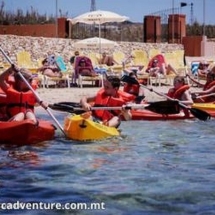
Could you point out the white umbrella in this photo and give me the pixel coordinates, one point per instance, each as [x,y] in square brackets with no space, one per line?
[98,17]
[95,43]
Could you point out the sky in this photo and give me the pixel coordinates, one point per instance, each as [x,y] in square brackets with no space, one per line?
[203,10]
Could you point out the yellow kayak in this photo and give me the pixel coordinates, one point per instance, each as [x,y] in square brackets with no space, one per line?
[78,128]
[204,106]
[208,107]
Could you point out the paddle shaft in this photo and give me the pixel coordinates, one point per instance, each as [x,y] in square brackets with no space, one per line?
[34,92]
[128,107]
[165,96]
[159,107]
[203,96]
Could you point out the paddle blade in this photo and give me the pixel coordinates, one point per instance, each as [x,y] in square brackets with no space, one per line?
[60,108]
[200,114]
[69,107]
[164,107]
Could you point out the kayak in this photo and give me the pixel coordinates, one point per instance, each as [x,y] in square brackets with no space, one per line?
[144,114]
[25,132]
[205,106]
[78,128]
[208,107]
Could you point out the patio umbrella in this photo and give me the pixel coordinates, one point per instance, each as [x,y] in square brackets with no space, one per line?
[98,17]
[95,43]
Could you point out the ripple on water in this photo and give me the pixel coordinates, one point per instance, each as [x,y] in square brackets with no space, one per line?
[158,167]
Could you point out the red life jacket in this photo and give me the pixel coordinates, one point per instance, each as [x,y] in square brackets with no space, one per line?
[3,100]
[19,101]
[5,103]
[108,101]
[131,89]
[126,97]
[177,94]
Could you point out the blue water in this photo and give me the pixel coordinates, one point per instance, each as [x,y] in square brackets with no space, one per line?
[154,168]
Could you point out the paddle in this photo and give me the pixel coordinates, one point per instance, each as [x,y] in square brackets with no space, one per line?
[34,92]
[160,107]
[200,114]
[203,96]
[193,80]
[70,107]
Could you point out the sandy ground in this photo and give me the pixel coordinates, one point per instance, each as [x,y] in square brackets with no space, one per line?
[53,95]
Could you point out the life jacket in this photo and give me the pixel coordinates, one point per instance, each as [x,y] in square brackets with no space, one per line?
[107,101]
[19,101]
[10,80]
[177,94]
[131,89]
[126,97]
[3,100]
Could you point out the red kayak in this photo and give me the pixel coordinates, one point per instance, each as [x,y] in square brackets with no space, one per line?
[149,115]
[25,132]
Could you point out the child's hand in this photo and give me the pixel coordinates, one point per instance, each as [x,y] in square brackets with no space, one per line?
[44,105]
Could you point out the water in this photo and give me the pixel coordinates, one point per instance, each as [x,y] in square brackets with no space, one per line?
[154,168]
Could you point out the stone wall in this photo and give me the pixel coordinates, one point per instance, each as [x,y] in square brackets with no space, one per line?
[39,47]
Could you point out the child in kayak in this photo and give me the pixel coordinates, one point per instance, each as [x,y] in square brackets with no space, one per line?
[20,99]
[109,96]
[134,88]
[180,91]
[207,94]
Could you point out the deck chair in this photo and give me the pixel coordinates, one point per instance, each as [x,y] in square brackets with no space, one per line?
[119,56]
[98,68]
[24,60]
[117,69]
[81,78]
[176,60]
[65,77]
[94,58]
[195,65]
[140,57]
[136,62]
[159,77]
[153,52]
[179,59]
